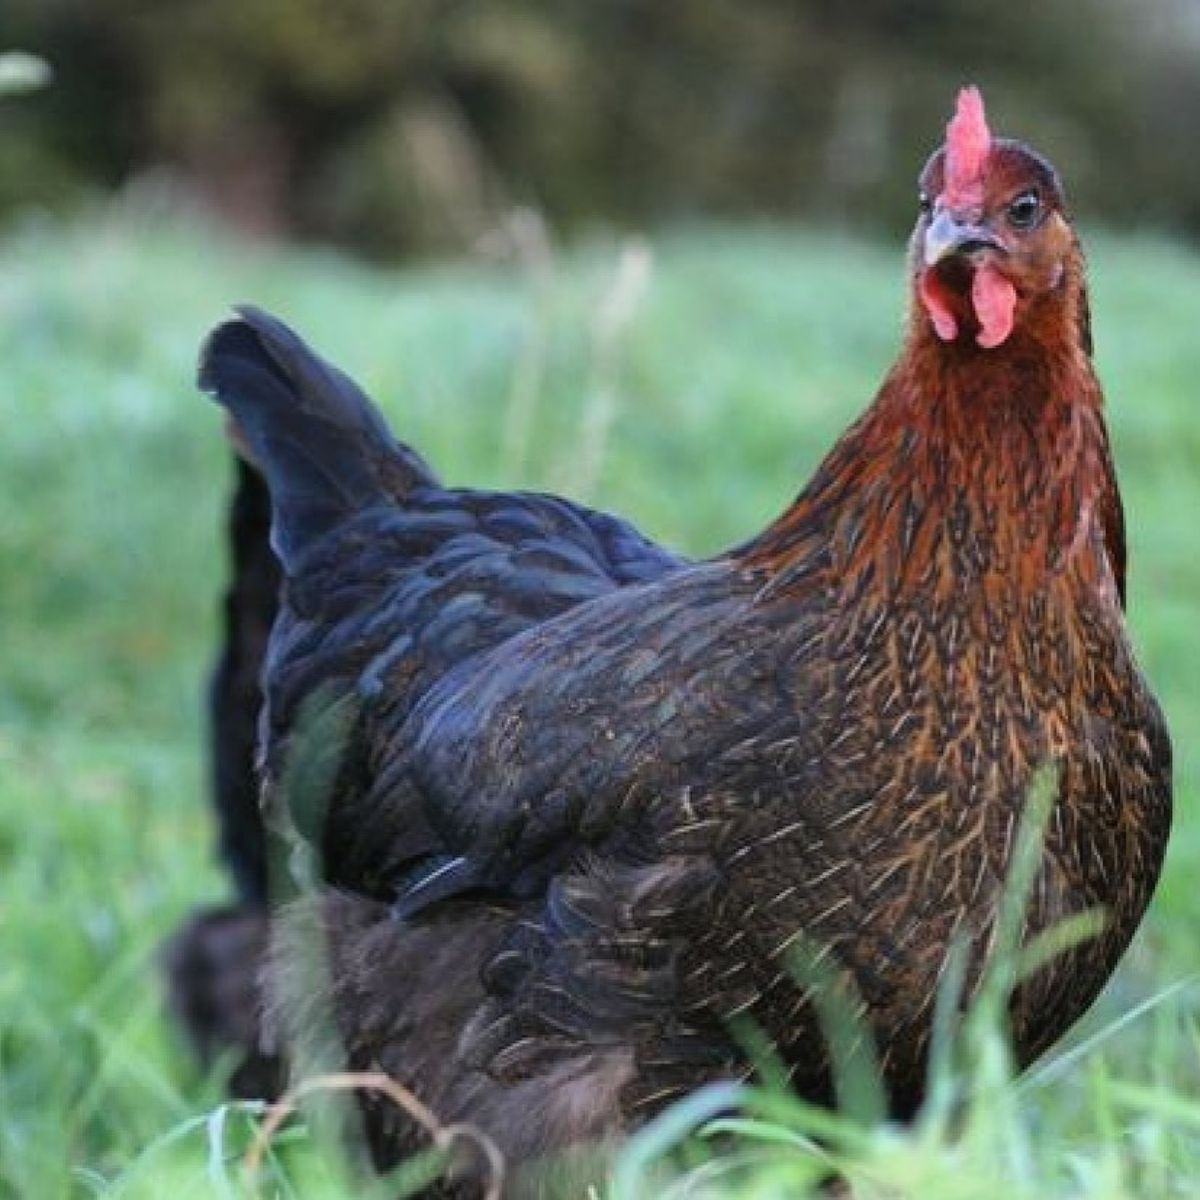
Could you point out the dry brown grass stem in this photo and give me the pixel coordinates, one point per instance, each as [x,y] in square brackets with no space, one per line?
[442,1136]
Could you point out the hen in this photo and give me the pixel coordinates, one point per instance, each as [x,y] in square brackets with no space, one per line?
[590,796]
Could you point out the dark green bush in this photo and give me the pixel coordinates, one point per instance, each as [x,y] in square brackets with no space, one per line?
[404,124]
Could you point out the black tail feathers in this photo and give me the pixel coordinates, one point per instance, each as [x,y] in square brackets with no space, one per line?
[235,691]
[322,445]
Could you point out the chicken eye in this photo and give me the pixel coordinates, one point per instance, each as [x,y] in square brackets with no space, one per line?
[924,203]
[1024,210]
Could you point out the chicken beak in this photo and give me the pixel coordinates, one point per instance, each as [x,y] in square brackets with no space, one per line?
[947,235]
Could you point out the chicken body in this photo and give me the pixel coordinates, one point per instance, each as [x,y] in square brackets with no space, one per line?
[590,799]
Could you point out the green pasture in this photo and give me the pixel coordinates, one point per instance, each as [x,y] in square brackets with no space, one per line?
[690,382]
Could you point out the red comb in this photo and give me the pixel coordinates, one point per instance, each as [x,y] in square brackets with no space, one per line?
[968,141]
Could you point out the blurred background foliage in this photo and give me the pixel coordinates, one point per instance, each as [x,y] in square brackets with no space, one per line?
[401,126]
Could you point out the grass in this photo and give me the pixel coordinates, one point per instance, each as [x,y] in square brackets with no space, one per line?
[693,391]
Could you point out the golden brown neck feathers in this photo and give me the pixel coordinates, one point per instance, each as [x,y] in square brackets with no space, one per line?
[970,464]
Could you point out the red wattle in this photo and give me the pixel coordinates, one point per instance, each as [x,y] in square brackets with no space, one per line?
[995,301]
[944,323]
